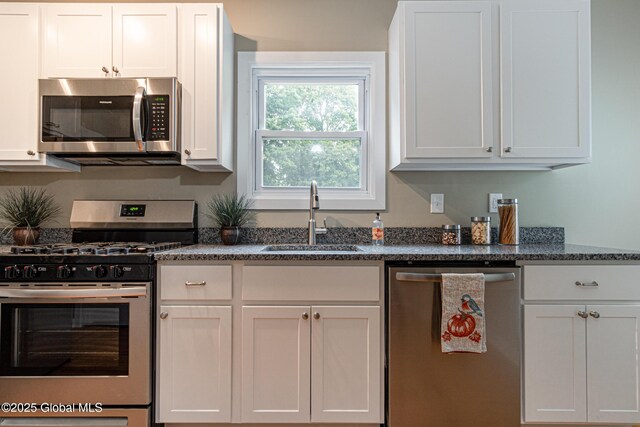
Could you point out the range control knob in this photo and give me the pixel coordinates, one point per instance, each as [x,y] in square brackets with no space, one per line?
[100,271]
[117,271]
[29,271]
[63,272]
[11,272]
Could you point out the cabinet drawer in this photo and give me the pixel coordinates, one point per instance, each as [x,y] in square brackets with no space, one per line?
[558,282]
[195,282]
[302,283]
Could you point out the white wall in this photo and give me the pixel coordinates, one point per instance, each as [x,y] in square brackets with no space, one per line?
[598,204]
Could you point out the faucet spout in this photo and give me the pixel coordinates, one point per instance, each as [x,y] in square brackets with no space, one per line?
[314,201]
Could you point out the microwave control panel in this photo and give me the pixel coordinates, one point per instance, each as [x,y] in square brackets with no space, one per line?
[159,116]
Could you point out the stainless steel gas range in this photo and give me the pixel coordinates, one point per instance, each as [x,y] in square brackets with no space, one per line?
[76,320]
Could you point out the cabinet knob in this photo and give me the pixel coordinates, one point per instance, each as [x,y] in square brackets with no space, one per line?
[316,315]
[305,315]
[583,314]
[507,150]
[115,70]
[164,315]
[187,152]
[105,70]
[489,150]
[31,153]
[594,314]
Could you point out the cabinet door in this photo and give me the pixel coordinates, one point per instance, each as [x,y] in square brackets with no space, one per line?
[346,385]
[77,40]
[199,74]
[276,364]
[613,355]
[145,40]
[545,78]
[19,47]
[448,79]
[555,370]
[194,375]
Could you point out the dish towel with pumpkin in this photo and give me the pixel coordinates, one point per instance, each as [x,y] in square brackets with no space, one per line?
[462,326]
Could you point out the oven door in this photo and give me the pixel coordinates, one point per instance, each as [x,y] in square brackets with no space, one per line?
[76,344]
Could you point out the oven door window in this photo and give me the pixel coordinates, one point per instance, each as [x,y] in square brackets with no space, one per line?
[87,118]
[64,340]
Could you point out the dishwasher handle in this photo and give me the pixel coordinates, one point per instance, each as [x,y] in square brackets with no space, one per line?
[437,277]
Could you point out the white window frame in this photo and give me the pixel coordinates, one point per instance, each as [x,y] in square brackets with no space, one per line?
[338,67]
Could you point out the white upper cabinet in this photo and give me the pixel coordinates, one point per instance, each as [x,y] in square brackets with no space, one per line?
[19,50]
[545,78]
[77,40]
[489,85]
[440,101]
[93,40]
[19,72]
[206,73]
[145,40]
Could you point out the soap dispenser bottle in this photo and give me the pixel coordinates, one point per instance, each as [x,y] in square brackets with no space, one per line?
[377,231]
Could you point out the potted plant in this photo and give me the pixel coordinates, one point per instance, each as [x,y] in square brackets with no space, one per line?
[24,210]
[230,213]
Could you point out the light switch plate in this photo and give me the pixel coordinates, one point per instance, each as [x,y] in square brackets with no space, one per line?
[437,203]
[493,202]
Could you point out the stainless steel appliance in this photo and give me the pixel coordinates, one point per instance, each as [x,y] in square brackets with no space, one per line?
[111,121]
[427,388]
[76,319]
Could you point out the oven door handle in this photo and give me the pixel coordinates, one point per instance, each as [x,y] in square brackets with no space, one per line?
[134,291]
[136,117]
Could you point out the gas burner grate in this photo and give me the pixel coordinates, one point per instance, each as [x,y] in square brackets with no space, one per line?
[99,248]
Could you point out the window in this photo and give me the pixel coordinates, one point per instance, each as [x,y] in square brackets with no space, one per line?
[306,116]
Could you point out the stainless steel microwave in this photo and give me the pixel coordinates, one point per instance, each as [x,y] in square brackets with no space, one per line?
[111,121]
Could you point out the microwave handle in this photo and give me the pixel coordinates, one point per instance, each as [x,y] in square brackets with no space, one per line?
[137,117]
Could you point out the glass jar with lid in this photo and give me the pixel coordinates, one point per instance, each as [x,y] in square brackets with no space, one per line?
[481,230]
[508,233]
[451,234]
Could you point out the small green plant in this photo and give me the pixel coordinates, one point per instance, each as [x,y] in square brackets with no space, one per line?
[229,210]
[27,207]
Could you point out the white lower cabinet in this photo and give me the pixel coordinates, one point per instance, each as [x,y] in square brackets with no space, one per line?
[276,364]
[194,369]
[581,361]
[311,364]
[310,353]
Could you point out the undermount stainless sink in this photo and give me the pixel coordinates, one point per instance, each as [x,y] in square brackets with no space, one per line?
[311,248]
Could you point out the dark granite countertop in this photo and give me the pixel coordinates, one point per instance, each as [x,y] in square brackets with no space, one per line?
[539,252]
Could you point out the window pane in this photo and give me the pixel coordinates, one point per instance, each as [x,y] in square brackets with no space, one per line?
[307,107]
[295,162]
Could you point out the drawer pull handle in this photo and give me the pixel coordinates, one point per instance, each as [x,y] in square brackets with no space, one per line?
[187,283]
[583,314]
[594,314]
[587,284]
[305,315]
[316,316]
[164,315]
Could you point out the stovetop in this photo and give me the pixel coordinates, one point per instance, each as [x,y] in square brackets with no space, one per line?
[81,262]
[94,248]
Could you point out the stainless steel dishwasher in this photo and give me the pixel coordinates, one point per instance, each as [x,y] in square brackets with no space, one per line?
[427,388]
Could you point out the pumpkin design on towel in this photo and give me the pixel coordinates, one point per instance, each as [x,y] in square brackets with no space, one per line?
[461,325]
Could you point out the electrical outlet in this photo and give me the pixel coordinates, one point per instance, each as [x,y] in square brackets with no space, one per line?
[493,202]
[437,203]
